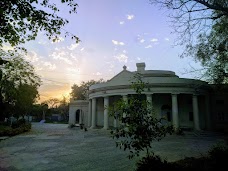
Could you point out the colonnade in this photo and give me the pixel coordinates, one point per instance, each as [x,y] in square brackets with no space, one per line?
[175,115]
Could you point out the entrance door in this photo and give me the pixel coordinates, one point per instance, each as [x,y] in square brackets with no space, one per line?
[77,117]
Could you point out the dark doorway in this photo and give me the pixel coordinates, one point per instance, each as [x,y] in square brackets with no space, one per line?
[166,112]
[77,117]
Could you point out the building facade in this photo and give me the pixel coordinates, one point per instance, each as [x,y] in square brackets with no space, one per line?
[186,103]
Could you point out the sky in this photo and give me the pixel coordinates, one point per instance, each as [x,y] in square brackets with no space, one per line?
[113,33]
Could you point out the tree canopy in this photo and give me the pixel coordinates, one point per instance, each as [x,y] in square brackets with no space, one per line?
[21,20]
[18,86]
[80,92]
[202,26]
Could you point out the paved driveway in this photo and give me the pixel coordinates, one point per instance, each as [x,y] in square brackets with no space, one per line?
[55,147]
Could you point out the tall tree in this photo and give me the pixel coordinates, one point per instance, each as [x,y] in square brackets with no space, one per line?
[21,20]
[202,27]
[81,92]
[19,81]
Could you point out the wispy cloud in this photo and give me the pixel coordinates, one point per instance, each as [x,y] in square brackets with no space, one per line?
[50,66]
[73,46]
[166,39]
[142,40]
[122,57]
[149,46]
[154,40]
[61,56]
[130,16]
[122,22]
[118,43]
[97,73]
[32,56]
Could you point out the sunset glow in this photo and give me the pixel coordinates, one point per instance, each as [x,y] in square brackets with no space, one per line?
[112,34]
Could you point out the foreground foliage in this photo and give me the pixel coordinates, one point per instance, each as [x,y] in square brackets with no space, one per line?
[216,159]
[139,126]
[201,25]
[22,20]
[16,128]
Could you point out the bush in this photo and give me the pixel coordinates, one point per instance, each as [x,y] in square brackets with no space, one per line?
[18,123]
[9,131]
[154,162]
[216,159]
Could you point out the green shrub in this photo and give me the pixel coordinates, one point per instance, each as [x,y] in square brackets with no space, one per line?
[154,162]
[9,131]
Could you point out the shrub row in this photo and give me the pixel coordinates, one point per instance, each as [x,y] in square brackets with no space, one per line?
[8,131]
[217,159]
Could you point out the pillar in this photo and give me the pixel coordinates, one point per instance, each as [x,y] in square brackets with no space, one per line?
[93,113]
[149,103]
[126,101]
[175,116]
[90,113]
[106,104]
[195,112]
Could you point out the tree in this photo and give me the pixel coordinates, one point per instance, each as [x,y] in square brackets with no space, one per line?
[24,100]
[19,81]
[52,102]
[64,108]
[20,21]
[81,92]
[202,27]
[139,125]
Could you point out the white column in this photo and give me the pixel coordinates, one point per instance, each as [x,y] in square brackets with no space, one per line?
[149,102]
[93,113]
[89,113]
[106,104]
[195,112]
[80,117]
[175,111]
[126,101]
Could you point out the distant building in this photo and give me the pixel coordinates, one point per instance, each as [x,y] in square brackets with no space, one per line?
[186,103]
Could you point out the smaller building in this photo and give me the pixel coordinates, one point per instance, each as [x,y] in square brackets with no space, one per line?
[186,103]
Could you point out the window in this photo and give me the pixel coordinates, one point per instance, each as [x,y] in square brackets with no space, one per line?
[169,116]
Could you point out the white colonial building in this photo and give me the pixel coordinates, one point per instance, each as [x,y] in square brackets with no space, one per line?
[186,103]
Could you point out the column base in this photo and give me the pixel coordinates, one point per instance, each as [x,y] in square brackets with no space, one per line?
[105,128]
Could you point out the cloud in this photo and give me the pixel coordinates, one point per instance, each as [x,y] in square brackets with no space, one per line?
[166,39]
[73,46]
[118,43]
[32,56]
[59,39]
[61,56]
[50,66]
[130,17]
[149,46]
[82,49]
[97,73]
[138,58]
[142,40]
[122,58]
[154,40]
[122,22]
